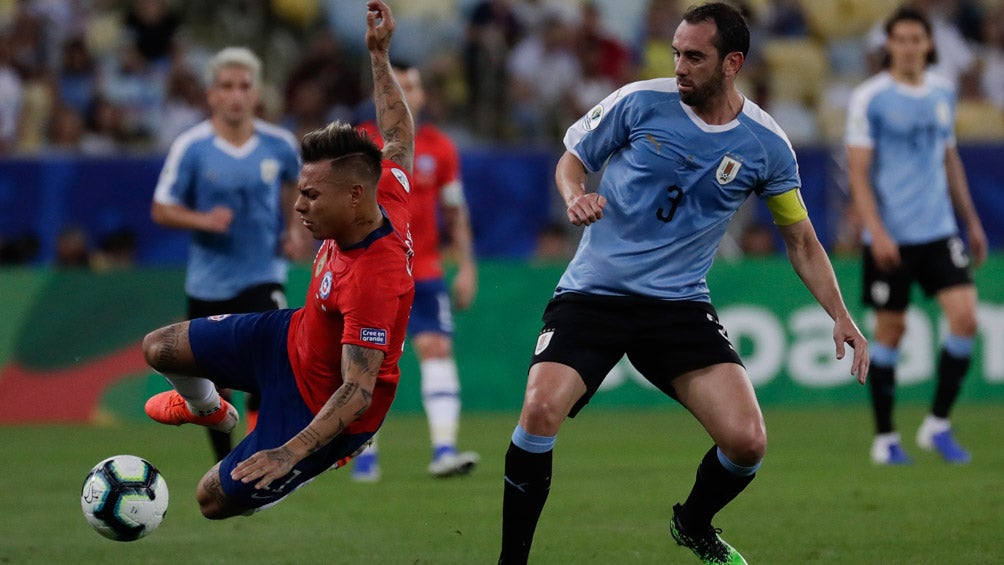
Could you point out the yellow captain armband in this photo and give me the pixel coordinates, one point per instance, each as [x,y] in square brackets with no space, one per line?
[787,208]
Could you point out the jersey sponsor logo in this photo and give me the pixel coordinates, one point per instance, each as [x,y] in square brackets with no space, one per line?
[373,335]
[269,170]
[218,317]
[651,139]
[326,284]
[592,119]
[401,178]
[727,170]
[543,340]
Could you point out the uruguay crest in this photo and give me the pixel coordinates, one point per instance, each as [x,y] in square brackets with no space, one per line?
[727,170]
[269,170]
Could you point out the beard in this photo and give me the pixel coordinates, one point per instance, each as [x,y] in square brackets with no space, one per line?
[700,94]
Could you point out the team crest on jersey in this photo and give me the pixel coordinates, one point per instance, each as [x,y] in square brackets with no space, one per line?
[543,340]
[218,317]
[373,335]
[592,119]
[325,288]
[727,170]
[943,113]
[401,178]
[269,170]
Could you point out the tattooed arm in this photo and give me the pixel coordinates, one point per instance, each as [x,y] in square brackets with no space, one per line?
[393,116]
[360,366]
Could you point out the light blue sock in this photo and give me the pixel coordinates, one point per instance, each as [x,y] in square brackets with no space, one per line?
[532,443]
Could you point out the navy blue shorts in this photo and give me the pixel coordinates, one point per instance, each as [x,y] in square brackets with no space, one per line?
[248,352]
[431,310]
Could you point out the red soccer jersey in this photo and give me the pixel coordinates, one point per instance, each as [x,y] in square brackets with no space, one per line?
[437,165]
[360,296]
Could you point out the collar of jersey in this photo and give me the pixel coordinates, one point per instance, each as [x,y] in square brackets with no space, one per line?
[385,228]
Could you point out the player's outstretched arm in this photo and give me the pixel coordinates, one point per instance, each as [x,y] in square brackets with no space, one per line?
[360,367]
[813,266]
[393,115]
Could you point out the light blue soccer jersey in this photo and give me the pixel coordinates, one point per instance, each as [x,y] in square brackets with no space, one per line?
[908,129]
[202,171]
[672,183]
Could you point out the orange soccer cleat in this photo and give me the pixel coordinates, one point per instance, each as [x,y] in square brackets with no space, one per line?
[170,408]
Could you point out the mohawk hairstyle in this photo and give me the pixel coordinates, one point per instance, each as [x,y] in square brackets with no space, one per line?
[338,141]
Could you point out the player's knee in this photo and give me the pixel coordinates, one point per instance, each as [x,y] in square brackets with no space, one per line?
[213,501]
[541,416]
[153,349]
[746,446]
[964,325]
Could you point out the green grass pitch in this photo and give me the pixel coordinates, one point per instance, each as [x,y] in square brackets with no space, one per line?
[817,499]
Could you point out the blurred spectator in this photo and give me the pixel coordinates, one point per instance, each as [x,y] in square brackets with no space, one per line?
[324,86]
[305,109]
[543,72]
[65,131]
[785,18]
[103,134]
[185,105]
[116,250]
[992,77]
[594,85]
[10,98]
[131,83]
[654,50]
[72,248]
[608,57]
[75,82]
[152,27]
[492,31]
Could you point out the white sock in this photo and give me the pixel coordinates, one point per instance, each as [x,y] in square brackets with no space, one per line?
[441,398]
[200,393]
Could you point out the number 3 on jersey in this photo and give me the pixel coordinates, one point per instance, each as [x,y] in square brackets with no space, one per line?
[675,195]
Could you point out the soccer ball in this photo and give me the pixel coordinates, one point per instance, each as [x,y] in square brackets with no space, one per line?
[124,498]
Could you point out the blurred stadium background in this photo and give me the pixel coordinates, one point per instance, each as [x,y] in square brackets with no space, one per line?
[93,91]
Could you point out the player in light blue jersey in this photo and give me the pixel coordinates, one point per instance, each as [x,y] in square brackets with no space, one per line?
[232,180]
[681,156]
[908,183]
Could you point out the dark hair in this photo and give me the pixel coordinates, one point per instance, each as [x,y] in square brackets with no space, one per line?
[353,148]
[908,14]
[733,31]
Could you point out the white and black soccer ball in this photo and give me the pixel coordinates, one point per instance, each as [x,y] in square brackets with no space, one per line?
[124,498]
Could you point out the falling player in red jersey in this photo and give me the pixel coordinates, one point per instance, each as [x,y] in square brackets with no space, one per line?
[437,194]
[327,372]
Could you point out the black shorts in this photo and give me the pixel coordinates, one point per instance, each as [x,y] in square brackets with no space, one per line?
[662,339]
[935,266]
[258,298]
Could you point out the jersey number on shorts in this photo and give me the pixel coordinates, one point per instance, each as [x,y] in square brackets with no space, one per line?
[675,196]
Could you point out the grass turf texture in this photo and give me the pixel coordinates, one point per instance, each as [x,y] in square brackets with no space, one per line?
[818,498]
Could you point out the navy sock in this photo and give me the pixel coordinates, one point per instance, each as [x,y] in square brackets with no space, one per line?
[527,484]
[951,371]
[715,487]
[882,383]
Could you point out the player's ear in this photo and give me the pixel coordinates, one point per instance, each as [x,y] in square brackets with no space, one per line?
[732,63]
